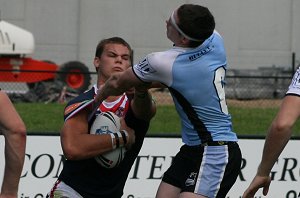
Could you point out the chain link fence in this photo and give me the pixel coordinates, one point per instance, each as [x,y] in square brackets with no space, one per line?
[264,86]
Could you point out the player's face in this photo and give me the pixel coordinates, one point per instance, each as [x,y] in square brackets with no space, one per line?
[115,58]
[172,33]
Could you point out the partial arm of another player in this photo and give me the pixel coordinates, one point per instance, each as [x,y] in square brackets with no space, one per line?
[14,131]
[279,134]
[142,104]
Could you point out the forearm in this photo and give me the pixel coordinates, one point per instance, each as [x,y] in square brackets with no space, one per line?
[78,143]
[279,133]
[114,86]
[15,144]
[275,142]
[143,105]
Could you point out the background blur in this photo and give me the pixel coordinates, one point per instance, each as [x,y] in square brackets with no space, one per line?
[256,33]
[261,37]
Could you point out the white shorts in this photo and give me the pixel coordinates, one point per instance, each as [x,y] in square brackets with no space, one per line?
[62,190]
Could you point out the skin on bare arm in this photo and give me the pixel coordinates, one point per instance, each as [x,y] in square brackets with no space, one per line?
[78,144]
[14,131]
[118,84]
[142,104]
[278,136]
[76,141]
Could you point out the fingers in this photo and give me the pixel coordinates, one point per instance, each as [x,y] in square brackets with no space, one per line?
[266,189]
[257,183]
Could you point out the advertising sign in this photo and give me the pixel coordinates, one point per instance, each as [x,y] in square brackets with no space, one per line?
[44,162]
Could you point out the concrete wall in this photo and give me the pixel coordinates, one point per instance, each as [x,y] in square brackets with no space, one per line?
[256,33]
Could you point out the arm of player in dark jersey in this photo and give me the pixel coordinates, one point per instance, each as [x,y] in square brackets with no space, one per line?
[142,104]
[77,143]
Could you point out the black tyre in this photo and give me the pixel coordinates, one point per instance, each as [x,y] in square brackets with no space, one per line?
[31,86]
[76,76]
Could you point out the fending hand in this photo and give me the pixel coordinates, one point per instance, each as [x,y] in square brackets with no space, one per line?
[258,182]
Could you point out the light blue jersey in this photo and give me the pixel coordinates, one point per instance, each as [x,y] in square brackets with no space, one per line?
[196,80]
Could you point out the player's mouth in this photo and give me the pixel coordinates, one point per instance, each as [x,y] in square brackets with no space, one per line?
[118,69]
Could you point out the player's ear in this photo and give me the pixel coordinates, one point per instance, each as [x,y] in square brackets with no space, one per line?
[185,41]
[97,62]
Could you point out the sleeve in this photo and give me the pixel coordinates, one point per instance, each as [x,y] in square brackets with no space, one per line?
[156,67]
[294,88]
[82,101]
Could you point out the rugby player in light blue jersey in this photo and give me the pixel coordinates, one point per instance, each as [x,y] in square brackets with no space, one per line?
[193,70]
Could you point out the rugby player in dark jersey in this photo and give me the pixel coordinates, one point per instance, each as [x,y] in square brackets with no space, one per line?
[82,176]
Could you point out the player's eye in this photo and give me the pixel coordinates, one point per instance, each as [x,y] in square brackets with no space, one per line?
[126,57]
[111,54]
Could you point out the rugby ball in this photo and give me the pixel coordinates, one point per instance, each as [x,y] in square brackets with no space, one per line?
[105,123]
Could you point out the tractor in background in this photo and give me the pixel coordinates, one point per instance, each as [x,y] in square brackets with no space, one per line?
[16,64]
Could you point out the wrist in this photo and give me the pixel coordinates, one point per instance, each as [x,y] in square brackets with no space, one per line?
[263,172]
[119,139]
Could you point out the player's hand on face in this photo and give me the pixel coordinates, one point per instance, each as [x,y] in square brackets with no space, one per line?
[131,133]
[258,182]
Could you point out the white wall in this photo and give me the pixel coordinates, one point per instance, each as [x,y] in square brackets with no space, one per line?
[257,33]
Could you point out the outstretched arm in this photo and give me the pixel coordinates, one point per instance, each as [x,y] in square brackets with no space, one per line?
[119,83]
[14,131]
[279,134]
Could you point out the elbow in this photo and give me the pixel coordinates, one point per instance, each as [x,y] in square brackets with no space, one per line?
[19,129]
[18,133]
[69,156]
[282,127]
[71,152]
[16,137]
[152,112]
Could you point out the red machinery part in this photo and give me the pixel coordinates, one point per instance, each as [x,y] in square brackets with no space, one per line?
[26,70]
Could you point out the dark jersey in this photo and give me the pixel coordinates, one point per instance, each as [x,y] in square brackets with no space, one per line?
[90,179]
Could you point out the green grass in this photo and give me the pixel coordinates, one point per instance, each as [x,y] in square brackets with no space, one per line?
[251,121]
[45,118]
[40,118]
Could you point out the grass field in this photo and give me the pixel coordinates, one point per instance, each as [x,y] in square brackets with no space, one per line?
[247,119]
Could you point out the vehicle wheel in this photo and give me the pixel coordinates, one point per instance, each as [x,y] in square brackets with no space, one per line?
[76,75]
[31,86]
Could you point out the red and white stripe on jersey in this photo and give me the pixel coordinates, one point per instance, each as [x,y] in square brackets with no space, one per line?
[119,106]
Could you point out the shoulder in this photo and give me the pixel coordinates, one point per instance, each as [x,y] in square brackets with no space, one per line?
[157,60]
[83,96]
[165,57]
[79,103]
